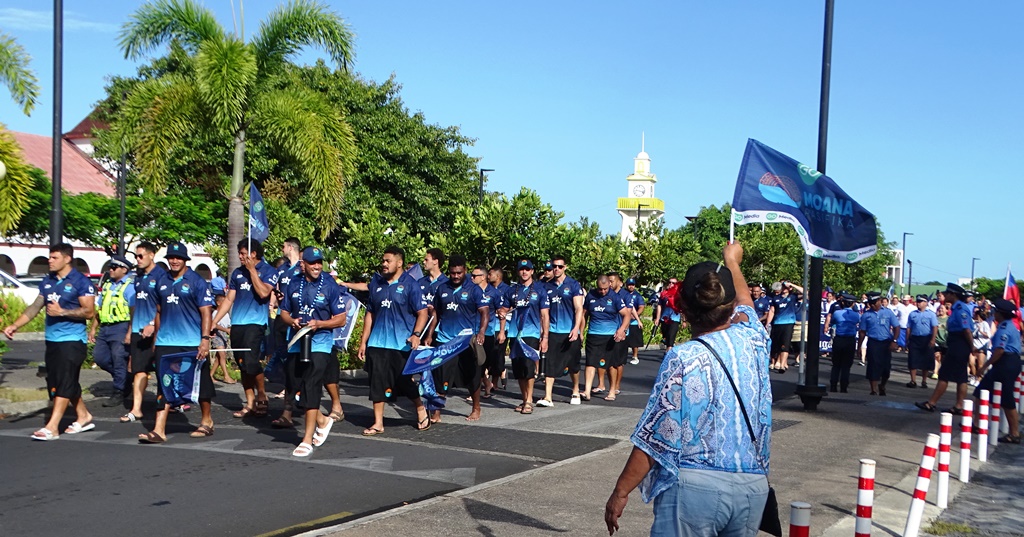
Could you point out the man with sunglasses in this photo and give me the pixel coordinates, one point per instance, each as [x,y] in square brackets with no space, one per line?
[497,289]
[529,304]
[113,318]
[564,347]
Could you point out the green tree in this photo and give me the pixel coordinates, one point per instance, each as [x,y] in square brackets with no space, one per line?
[226,89]
[15,182]
[366,241]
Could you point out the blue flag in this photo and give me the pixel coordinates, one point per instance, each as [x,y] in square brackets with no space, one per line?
[521,350]
[427,358]
[775,188]
[342,334]
[259,228]
[416,271]
[179,375]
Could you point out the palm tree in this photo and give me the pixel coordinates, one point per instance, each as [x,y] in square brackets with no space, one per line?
[228,87]
[15,183]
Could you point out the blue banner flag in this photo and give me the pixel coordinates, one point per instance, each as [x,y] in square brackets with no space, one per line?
[416,271]
[342,334]
[775,188]
[179,375]
[259,228]
[427,358]
[521,350]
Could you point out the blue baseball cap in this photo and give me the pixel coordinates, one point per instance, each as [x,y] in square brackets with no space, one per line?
[631,281]
[178,250]
[524,264]
[312,255]
[548,265]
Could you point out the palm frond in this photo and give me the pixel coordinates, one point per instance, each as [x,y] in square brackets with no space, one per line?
[316,135]
[302,23]
[226,70]
[159,22]
[15,184]
[15,74]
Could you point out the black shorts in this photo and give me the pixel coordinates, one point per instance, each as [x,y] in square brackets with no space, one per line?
[308,379]
[466,372]
[954,362]
[782,336]
[332,374]
[563,356]
[64,361]
[445,375]
[495,364]
[603,351]
[1006,371]
[206,390]
[635,337]
[920,354]
[141,351]
[387,382]
[525,368]
[843,350]
[878,359]
[248,336]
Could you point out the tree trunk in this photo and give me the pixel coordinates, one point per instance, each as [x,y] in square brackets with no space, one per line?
[237,222]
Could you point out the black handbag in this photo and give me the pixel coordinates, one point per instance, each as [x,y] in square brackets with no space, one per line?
[770,517]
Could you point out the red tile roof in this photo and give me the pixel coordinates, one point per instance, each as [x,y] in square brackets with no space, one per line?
[79,173]
[85,128]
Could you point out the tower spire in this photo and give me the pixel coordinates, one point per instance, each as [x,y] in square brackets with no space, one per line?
[642,136]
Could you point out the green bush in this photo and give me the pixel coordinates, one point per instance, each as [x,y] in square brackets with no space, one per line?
[11,307]
[347,358]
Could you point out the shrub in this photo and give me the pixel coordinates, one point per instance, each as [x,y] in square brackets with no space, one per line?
[12,306]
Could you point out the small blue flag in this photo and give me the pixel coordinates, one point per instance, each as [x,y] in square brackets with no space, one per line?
[775,188]
[342,334]
[521,350]
[427,358]
[179,375]
[416,271]
[259,228]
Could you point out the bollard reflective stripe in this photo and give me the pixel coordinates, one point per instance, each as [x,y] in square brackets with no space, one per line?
[945,439]
[865,498]
[965,441]
[983,417]
[995,413]
[924,474]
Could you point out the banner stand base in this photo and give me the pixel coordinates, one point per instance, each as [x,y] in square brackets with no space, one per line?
[811,396]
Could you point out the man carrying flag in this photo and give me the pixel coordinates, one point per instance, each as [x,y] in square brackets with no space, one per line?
[529,304]
[1012,293]
[259,228]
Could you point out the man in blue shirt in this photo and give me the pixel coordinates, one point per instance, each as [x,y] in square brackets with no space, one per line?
[148,278]
[433,274]
[564,346]
[846,321]
[959,344]
[609,320]
[396,315]
[459,305]
[635,339]
[184,323]
[528,300]
[783,317]
[311,300]
[248,299]
[113,318]
[762,305]
[1005,365]
[291,250]
[923,326]
[497,289]
[882,328]
[619,361]
[70,300]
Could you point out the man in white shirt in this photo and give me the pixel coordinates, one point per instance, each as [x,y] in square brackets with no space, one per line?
[903,310]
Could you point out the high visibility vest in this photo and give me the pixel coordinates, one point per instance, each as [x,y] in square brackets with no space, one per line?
[113,304]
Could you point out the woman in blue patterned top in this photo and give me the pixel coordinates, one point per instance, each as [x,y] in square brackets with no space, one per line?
[693,454]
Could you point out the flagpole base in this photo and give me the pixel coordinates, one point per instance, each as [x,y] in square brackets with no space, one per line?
[811,395]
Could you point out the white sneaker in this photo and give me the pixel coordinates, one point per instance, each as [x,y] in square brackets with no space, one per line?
[634,361]
[575,400]
[544,403]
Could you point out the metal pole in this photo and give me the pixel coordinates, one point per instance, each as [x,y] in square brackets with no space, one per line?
[802,370]
[903,259]
[482,170]
[56,210]
[810,391]
[910,282]
[973,259]
[122,187]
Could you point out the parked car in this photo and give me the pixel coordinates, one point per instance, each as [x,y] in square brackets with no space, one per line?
[13,286]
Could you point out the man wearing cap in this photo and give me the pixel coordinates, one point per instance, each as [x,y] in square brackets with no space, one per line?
[312,300]
[69,298]
[184,322]
[608,318]
[923,326]
[1004,365]
[113,317]
[148,278]
[782,318]
[548,274]
[248,298]
[846,321]
[529,304]
[959,343]
[497,289]
[881,327]
[635,339]
[564,347]
[396,315]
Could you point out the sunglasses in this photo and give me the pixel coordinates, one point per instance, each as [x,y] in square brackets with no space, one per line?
[477,275]
[559,266]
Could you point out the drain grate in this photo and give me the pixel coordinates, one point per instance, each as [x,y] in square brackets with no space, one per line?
[778,425]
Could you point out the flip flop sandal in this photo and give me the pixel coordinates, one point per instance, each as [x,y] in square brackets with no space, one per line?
[925,406]
[302,450]
[528,409]
[373,431]
[518,408]
[955,411]
[320,433]
[242,413]
[261,408]
[129,418]
[151,438]
[282,423]
[76,428]
[44,435]
[609,397]
[419,426]
[337,416]
[585,397]
[202,432]
[1008,439]
[597,390]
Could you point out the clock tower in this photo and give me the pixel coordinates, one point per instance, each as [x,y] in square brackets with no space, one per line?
[639,205]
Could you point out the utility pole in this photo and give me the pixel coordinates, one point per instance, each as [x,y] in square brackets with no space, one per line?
[56,209]
[904,258]
[973,259]
[482,171]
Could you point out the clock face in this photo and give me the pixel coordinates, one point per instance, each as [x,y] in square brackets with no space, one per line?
[639,190]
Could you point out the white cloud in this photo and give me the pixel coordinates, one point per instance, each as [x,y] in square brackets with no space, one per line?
[32,20]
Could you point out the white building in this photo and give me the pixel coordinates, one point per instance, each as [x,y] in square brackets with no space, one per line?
[640,204]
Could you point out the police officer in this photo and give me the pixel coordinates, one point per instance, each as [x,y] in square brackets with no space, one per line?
[1005,365]
[923,326]
[881,327]
[846,321]
[113,318]
[959,343]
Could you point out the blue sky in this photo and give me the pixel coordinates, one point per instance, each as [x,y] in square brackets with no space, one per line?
[924,130]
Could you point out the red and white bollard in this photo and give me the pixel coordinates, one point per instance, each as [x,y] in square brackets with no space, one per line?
[983,415]
[965,441]
[1020,402]
[945,439]
[924,475]
[995,415]
[865,498]
[799,519]
[1016,393]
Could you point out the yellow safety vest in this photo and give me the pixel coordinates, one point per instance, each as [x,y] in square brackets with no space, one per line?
[113,304]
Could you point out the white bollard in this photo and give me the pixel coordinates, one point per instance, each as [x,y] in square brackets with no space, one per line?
[799,519]
[924,475]
[995,413]
[865,498]
[1016,393]
[983,415]
[965,441]
[945,439]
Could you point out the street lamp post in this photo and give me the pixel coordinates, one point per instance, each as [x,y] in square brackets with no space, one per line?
[638,207]
[910,281]
[973,259]
[482,171]
[904,258]
[56,208]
